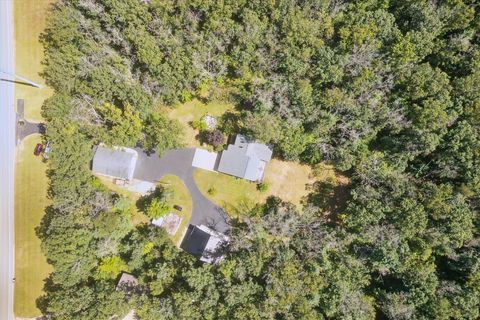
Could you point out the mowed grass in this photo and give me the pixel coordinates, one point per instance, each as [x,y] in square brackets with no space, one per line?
[181,197]
[30,201]
[195,110]
[288,180]
[29,19]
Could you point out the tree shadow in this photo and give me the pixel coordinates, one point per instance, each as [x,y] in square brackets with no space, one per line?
[230,123]
[329,196]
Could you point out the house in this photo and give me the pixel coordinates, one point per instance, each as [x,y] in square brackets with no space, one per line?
[204,243]
[115,162]
[245,159]
[127,282]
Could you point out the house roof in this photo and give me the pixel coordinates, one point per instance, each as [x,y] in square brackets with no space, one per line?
[203,242]
[233,161]
[115,162]
[195,241]
[204,159]
[245,159]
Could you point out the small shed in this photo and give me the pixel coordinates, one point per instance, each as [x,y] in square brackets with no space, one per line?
[127,282]
[204,159]
[210,121]
[115,162]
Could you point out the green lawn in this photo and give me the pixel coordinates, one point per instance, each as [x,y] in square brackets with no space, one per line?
[232,194]
[181,197]
[29,19]
[195,110]
[30,201]
[288,180]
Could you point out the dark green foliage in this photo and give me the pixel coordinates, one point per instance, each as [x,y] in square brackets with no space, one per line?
[388,90]
[161,133]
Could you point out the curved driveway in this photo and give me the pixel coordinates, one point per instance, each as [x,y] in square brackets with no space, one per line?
[179,162]
[28,128]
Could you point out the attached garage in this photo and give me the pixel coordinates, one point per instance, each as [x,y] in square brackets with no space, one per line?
[204,159]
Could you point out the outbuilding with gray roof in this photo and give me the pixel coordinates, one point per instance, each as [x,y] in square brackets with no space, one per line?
[115,162]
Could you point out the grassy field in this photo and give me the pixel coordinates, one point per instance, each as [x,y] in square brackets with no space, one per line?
[29,17]
[30,201]
[287,180]
[195,110]
[181,197]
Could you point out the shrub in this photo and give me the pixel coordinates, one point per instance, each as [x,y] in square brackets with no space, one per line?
[199,125]
[158,208]
[212,191]
[215,138]
[262,187]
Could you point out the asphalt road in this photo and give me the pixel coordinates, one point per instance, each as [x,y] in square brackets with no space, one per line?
[179,162]
[7,158]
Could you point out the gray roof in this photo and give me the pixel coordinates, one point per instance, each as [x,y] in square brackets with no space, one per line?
[195,241]
[233,162]
[203,243]
[245,159]
[126,281]
[118,163]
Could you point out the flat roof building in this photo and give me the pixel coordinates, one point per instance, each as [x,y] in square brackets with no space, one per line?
[204,159]
[115,162]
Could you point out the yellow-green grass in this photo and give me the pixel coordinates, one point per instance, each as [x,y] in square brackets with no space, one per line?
[232,194]
[181,197]
[30,201]
[287,180]
[195,110]
[29,17]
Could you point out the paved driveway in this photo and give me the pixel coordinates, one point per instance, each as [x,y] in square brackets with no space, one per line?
[179,162]
[28,128]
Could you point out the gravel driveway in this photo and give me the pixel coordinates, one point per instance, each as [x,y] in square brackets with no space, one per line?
[179,162]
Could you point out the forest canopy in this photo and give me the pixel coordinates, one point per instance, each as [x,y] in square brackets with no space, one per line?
[386,91]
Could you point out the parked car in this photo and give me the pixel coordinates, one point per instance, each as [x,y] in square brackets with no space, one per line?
[177,207]
[38,149]
[46,150]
